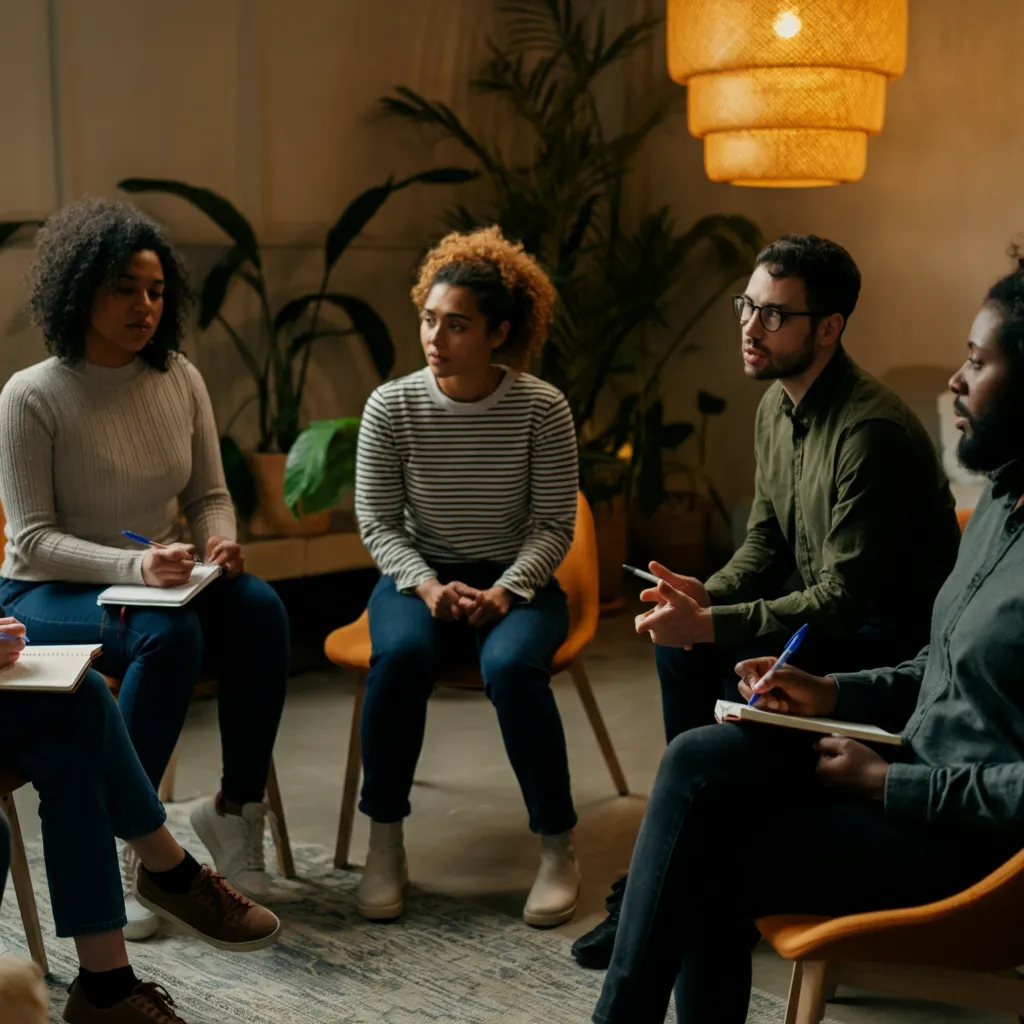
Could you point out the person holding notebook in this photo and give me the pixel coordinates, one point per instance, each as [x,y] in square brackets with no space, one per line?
[466,490]
[751,820]
[75,750]
[115,432]
[852,529]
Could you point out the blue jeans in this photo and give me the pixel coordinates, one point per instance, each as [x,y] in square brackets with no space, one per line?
[237,629]
[410,649]
[737,828]
[75,750]
[5,853]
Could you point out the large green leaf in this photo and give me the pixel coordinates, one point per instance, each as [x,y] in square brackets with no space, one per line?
[238,474]
[320,468]
[9,228]
[215,287]
[217,208]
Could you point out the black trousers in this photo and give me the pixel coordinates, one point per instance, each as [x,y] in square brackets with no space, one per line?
[738,828]
[5,853]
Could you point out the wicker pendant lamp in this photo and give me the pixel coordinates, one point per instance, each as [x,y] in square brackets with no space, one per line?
[784,93]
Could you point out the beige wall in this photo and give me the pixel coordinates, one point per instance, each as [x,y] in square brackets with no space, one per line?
[269,102]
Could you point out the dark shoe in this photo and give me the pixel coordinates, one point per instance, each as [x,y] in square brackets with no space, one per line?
[148,1004]
[212,911]
[594,949]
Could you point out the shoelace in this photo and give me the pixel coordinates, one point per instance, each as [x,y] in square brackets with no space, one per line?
[129,864]
[156,1003]
[223,894]
[254,829]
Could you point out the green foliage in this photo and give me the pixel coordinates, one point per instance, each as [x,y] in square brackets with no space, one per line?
[320,469]
[618,283]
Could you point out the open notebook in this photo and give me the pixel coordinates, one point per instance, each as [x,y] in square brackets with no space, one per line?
[160,597]
[729,711]
[58,668]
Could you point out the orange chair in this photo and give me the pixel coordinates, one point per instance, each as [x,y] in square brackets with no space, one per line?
[279,827]
[963,515]
[349,647]
[20,876]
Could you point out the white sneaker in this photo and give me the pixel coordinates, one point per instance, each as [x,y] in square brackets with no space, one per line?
[142,923]
[552,900]
[235,842]
[380,895]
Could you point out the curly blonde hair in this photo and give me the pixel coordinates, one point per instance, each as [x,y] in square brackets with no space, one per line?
[508,282]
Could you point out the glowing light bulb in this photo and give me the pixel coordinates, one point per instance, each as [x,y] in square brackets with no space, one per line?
[788,24]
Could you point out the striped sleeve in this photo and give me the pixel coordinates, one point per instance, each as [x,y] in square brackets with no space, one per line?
[380,500]
[554,482]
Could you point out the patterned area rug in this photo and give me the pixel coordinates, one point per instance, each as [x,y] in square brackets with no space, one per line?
[448,961]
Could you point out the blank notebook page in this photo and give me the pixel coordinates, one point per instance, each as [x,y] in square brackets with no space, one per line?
[58,668]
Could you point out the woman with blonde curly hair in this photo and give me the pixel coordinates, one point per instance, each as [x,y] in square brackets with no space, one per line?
[466,483]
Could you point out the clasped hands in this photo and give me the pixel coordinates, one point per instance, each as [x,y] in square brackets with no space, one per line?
[843,763]
[171,565]
[682,615]
[450,602]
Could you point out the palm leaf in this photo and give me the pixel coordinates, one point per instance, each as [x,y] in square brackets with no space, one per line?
[9,228]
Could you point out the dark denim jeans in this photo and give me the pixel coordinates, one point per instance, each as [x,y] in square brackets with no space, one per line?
[410,649]
[76,751]
[737,828]
[691,681]
[238,629]
[5,853]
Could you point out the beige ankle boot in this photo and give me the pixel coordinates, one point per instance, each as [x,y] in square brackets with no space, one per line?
[552,900]
[380,895]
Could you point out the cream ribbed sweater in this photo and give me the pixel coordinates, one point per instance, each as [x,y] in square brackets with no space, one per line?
[87,451]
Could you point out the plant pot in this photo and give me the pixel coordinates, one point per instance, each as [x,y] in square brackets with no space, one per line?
[678,535]
[611,526]
[273,518]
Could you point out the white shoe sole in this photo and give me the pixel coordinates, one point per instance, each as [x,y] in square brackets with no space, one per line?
[384,911]
[551,920]
[237,947]
[208,837]
[139,931]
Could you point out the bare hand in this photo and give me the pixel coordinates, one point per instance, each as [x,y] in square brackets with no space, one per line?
[688,585]
[789,691]
[852,766]
[678,620]
[10,650]
[445,600]
[168,566]
[490,606]
[227,554]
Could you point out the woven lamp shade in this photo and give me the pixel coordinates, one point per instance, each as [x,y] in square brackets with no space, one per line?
[784,93]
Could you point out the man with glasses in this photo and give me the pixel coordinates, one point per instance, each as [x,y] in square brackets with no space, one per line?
[852,530]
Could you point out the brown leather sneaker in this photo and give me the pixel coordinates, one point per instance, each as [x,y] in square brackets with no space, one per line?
[212,911]
[148,1004]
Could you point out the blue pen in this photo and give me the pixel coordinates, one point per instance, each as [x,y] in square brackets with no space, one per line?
[139,539]
[10,638]
[788,651]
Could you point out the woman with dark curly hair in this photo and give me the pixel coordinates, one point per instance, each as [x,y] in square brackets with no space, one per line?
[116,432]
[466,482]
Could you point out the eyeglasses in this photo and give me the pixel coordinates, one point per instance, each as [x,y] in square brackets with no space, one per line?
[772,318]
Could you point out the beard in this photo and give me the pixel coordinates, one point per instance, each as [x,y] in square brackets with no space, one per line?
[791,364]
[996,435]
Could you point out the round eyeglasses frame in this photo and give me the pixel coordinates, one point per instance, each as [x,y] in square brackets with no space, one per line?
[741,302]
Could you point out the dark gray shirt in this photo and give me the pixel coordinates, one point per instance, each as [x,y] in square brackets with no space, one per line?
[960,703]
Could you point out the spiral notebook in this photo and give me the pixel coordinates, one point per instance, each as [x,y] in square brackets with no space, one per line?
[127,595]
[729,711]
[58,668]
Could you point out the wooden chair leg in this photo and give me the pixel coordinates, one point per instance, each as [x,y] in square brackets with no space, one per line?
[793,1000]
[166,790]
[604,741]
[811,1007]
[22,880]
[353,770]
[285,862]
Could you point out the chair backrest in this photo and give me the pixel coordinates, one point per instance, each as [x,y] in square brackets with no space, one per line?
[962,516]
[578,575]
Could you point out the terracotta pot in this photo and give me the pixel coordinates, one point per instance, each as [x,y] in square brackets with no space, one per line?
[678,535]
[273,518]
[611,526]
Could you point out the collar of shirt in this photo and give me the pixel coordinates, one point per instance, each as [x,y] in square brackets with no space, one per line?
[1009,479]
[821,394]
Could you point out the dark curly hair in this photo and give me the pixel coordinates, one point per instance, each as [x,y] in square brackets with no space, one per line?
[827,270]
[508,283]
[83,247]
[1008,295]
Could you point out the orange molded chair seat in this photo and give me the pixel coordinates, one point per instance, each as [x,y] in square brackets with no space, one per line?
[963,515]
[349,647]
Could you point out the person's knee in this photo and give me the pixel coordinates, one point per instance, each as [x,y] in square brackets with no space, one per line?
[260,607]
[512,679]
[707,753]
[404,664]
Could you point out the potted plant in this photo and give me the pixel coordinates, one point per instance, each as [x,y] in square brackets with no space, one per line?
[278,360]
[616,281]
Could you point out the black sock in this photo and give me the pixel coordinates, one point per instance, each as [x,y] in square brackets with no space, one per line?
[104,989]
[178,880]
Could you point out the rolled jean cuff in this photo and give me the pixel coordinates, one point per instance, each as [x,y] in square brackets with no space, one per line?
[146,828]
[67,928]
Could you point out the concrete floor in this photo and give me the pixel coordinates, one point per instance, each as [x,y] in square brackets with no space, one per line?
[468,834]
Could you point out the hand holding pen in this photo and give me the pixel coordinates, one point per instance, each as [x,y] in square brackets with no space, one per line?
[12,641]
[165,565]
[787,652]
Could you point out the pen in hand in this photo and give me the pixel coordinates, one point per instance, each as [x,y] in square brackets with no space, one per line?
[11,638]
[788,651]
[139,539]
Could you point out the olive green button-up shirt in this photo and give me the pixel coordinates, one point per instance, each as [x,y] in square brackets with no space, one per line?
[849,495]
[960,703]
